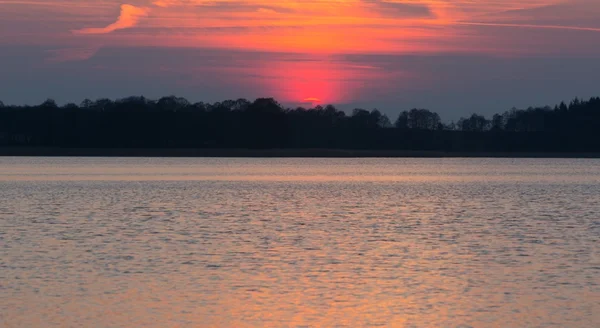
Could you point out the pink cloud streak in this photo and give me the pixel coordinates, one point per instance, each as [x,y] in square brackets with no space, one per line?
[129,17]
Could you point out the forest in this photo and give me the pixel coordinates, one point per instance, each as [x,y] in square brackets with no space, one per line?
[173,122]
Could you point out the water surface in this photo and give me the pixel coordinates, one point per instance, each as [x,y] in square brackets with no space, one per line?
[124,242]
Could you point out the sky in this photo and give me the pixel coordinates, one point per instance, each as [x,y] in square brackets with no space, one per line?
[455,57]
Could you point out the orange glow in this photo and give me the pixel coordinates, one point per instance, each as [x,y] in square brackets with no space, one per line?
[312,100]
[319,26]
[314,80]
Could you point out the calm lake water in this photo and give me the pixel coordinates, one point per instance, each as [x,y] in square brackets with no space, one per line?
[124,242]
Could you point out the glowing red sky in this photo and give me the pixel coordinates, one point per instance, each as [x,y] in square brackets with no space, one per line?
[72,32]
[293,25]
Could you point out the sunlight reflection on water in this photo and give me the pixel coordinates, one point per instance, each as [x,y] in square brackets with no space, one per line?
[299,242]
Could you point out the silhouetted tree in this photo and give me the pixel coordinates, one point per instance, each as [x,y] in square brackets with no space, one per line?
[362,119]
[420,119]
[563,107]
[70,107]
[497,122]
[86,104]
[474,123]
[172,104]
[384,122]
[200,107]
[102,104]
[450,126]
[402,121]
[49,104]
[173,122]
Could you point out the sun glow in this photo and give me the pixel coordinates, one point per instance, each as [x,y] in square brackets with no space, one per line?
[313,101]
[317,79]
[313,81]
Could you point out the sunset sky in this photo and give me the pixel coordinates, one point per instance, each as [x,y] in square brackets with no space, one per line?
[452,56]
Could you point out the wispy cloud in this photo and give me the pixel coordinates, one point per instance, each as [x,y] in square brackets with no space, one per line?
[308,26]
[129,17]
[398,9]
[165,3]
[533,26]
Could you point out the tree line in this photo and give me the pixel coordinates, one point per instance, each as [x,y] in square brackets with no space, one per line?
[174,122]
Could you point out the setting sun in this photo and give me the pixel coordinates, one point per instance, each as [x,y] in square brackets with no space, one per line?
[312,100]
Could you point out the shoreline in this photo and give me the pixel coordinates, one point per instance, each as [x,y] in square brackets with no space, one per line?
[272,153]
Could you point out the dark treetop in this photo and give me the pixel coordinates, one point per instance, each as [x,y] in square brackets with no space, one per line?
[172,122]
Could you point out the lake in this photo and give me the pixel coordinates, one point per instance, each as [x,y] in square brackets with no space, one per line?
[150,242]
